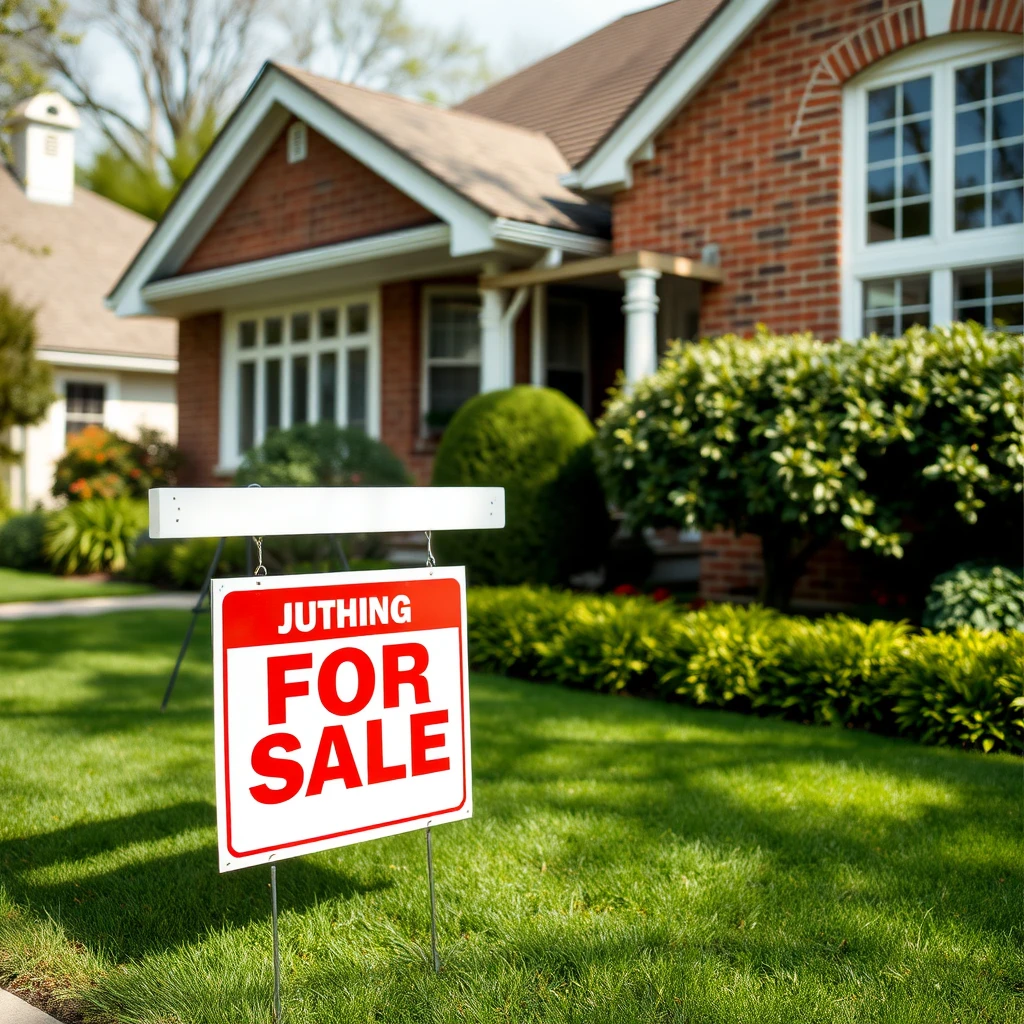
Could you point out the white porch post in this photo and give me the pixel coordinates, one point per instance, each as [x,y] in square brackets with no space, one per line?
[539,336]
[640,306]
[495,359]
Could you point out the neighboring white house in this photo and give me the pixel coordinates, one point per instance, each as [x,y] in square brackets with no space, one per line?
[60,247]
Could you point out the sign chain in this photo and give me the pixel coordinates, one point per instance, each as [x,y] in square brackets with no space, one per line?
[431,561]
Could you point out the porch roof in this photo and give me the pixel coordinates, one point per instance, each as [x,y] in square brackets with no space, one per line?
[576,270]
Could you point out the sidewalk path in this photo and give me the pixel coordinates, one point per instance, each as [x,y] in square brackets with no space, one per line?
[94,606]
[16,1011]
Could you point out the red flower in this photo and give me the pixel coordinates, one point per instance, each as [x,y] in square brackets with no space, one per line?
[625,590]
[661,594]
[696,604]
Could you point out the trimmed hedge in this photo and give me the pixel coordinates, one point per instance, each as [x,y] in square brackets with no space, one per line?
[960,689]
[536,443]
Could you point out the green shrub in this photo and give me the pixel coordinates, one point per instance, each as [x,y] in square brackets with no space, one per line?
[21,541]
[321,455]
[97,535]
[100,463]
[879,442]
[190,560]
[536,443]
[984,597]
[150,562]
[965,689]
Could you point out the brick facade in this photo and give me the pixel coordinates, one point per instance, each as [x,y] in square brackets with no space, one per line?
[199,342]
[328,197]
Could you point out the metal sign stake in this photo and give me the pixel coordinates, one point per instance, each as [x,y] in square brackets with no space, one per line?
[433,907]
[277,951]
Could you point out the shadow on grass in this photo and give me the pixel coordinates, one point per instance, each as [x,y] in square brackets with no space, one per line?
[163,901]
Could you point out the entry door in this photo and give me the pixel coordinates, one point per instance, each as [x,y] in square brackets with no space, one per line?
[568,351]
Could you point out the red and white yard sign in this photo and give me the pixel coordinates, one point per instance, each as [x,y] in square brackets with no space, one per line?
[341,709]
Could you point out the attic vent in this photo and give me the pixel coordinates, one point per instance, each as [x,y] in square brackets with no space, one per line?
[52,110]
[50,145]
[297,146]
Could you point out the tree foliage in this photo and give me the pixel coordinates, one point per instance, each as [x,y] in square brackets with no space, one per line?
[26,384]
[25,27]
[797,441]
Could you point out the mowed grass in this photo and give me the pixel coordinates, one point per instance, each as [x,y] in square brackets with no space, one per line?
[16,585]
[628,862]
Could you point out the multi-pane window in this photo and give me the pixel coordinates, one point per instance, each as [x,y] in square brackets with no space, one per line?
[453,355]
[933,186]
[993,296]
[83,406]
[303,366]
[989,140]
[891,305]
[899,166]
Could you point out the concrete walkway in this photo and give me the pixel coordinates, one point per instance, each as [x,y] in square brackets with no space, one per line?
[16,1011]
[95,606]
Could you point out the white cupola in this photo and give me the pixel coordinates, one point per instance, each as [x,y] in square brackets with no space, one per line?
[43,140]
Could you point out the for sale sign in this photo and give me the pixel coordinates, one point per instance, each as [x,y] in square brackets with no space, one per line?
[341,709]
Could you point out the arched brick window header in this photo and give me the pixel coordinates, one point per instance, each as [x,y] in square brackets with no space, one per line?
[900,26]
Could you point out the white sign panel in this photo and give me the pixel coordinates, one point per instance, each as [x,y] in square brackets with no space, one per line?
[341,709]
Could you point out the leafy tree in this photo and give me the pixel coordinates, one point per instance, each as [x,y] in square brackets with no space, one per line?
[26,384]
[25,26]
[879,442]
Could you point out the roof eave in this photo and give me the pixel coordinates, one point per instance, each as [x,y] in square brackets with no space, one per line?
[608,167]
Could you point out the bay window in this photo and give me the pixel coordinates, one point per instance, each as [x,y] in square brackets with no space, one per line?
[312,363]
[933,187]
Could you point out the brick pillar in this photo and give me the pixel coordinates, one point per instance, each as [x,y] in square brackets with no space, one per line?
[199,341]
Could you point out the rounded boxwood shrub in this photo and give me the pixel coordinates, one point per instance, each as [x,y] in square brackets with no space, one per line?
[321,455]
[536,443]
[985,597]
[21,541]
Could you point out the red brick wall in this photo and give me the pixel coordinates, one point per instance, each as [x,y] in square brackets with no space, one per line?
[199,340]
[731,569]
[328,197]
[752,163]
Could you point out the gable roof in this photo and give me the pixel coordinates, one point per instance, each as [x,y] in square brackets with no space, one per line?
[61,259]
[578,95]
[507,170]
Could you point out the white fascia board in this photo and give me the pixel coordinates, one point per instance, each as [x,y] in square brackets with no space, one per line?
[608,167]
[328,257]
[505,230]
[237,151]
[104,361]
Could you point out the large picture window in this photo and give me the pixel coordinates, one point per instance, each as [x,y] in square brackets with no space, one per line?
[933,186]
[452,355]
[299,365]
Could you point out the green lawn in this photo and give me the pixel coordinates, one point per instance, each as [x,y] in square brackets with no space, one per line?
[628,862]
[40,586]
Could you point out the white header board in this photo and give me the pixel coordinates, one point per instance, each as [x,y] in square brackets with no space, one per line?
[290,511]
[341,709]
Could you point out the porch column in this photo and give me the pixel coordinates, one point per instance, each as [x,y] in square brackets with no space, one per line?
[640,306]
[495,359]
[539,336]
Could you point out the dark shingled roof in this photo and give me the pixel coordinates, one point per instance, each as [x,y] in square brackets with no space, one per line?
[578,95]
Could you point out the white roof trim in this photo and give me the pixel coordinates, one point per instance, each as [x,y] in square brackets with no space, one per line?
[327,257]
[521,233]
[609,167]
[107,361]
[237,151]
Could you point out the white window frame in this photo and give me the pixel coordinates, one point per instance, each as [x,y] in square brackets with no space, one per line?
[944,249]
[232,356]
[427,295]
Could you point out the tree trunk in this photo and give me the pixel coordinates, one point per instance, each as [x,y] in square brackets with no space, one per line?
[785,558]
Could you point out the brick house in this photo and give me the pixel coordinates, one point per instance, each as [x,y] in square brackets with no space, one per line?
[838,166]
